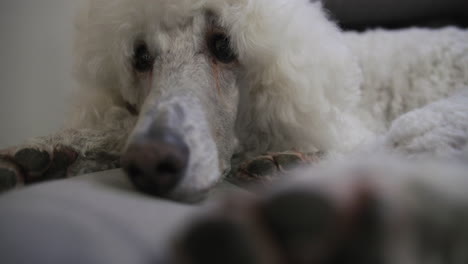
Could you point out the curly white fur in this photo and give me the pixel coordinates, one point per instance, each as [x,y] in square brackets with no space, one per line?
[302,83]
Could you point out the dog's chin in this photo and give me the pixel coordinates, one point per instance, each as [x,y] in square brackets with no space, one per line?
[190,197]
[200,178]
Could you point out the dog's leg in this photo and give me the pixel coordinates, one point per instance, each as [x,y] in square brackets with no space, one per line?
[64,154]
[265,169]
[386,212]
[440,128]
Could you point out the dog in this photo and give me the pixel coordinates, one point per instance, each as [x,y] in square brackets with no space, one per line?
[170,90]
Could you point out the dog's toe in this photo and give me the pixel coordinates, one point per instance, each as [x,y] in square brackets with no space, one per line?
[217,240]
[261,170]
[9,175]
[297,225]
[300,222]
[288,161]
[261,167]
[33,161]
[62,159]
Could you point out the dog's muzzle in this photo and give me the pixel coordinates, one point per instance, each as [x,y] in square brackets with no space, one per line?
[171,152]
[156,161]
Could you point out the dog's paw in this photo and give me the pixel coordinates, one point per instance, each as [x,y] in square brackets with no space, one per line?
[266,168]
[296,225]
[30,164]
[386,212]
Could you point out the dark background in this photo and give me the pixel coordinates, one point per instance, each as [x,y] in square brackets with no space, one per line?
[363,14]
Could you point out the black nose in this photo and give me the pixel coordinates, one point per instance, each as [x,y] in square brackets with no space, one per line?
[156,162]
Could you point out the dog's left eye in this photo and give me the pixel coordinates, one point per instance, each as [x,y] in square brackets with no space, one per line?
[143,60]
[220,47]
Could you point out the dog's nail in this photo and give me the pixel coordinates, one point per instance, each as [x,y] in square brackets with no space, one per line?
[216,241]
[300,221]
[32,160]
[261,167]
[288,161]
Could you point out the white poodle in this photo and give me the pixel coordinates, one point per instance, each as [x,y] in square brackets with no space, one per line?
[176,87]
[171,89]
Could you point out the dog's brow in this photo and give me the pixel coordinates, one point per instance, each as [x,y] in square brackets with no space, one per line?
[212,23]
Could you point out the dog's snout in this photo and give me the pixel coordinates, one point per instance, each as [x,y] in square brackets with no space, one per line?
[156,162]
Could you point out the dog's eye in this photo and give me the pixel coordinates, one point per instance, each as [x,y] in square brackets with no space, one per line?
[220,47]
[142,59]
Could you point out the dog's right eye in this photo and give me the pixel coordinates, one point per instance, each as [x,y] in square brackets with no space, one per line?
[143,60]
[220,47]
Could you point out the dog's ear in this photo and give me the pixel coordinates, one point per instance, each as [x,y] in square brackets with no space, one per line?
[99,63]
[302,82]
[101,43]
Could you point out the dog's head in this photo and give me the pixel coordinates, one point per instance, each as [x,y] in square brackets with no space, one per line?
[195,72]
